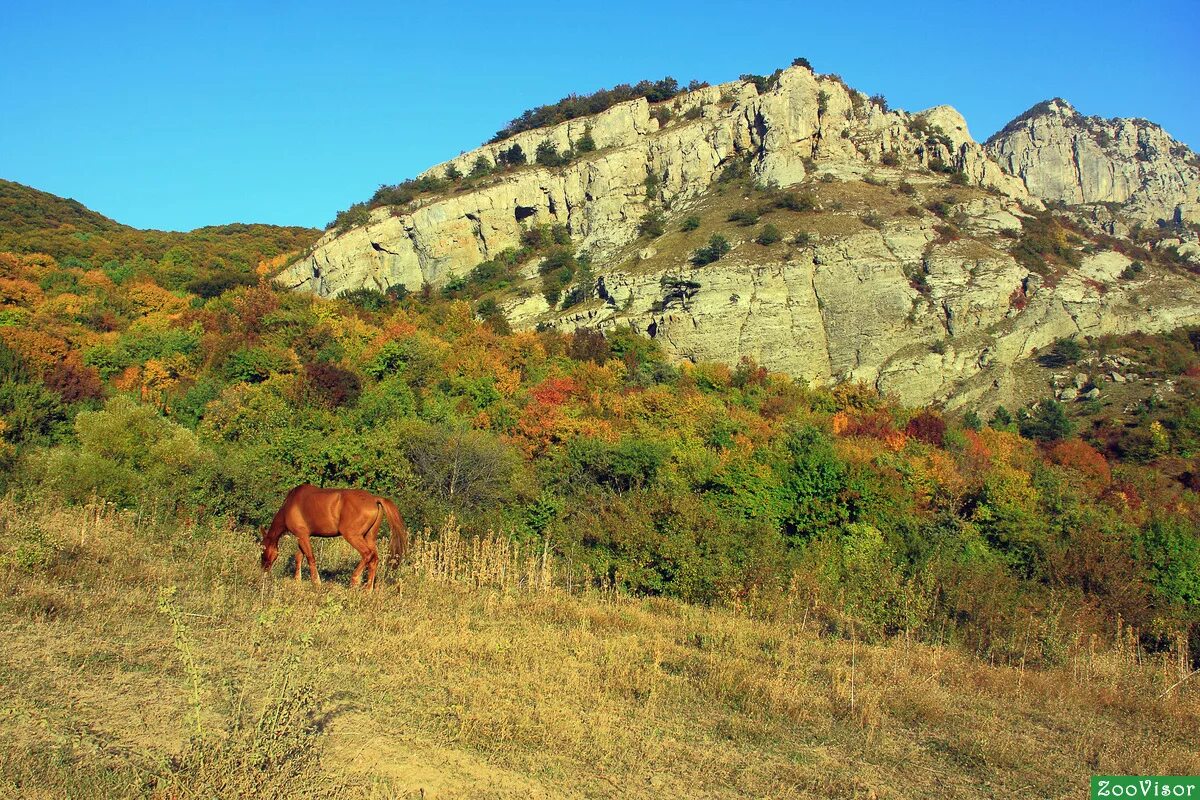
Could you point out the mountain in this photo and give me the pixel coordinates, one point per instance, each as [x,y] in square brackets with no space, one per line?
[1118,172]
[908,255]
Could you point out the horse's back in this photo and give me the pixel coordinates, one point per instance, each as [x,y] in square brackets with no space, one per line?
[324,512]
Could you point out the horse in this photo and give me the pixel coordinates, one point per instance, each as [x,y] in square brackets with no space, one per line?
[353,514]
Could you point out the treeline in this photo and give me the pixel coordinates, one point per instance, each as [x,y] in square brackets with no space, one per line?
[208,260]
[574,106]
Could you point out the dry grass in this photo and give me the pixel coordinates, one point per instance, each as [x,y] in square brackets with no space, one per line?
[477,675]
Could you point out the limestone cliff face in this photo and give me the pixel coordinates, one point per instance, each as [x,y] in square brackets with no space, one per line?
[600,197]
[1064,156]
[851,306]
[903,275]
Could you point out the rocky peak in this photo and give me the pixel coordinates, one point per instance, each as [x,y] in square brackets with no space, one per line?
[645,157]
[856,242]
[1129,171]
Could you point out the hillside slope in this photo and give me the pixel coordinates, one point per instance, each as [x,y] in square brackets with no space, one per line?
[33,221]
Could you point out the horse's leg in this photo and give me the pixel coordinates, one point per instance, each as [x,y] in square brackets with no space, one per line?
[306,548]
[371,567]
[359,543]
[299,559]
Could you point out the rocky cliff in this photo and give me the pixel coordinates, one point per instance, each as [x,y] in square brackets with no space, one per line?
[919,260]
[1127,171]
[601,196]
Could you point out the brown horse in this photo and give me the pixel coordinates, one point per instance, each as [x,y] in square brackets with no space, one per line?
[353,514]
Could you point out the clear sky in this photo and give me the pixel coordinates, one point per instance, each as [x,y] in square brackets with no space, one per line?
[176,115]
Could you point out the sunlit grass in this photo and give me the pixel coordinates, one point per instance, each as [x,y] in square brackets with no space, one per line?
[473,672]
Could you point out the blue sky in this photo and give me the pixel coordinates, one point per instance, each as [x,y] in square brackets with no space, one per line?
[173,115]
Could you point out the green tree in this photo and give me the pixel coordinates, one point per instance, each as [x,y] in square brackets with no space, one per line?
[717,247]
[586,143]
[480,168]
[1048,422]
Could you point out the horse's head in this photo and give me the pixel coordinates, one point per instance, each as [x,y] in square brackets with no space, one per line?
[269,553]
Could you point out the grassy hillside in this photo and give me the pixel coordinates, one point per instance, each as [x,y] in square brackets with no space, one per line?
[126,638]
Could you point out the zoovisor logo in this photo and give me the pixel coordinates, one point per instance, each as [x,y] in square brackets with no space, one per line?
[1148,786]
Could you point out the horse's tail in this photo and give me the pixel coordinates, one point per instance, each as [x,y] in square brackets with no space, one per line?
[399,537]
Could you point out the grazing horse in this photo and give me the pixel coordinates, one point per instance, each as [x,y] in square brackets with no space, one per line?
[353,514]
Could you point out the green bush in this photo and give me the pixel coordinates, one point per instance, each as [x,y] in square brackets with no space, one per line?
[480,167]
[744,217]
[254,364]
[796,202]
[1169,551]
[717,247]
[1064,353]
[653,225]
[586,143]
[1047,423]
[127,453]
[548,156]
[769,235]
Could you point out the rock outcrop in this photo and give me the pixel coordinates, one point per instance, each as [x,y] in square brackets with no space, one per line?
[904,274]
[601,196]
[1127,170]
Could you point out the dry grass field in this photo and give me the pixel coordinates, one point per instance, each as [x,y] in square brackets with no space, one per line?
[150,659]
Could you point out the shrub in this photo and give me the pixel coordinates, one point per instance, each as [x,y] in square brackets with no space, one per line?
[802,62]
[880,101]
[127,452]
[365,298]
[662,114]
[630,463]
[511,157]
[769,235]
[217,283]
[586,143]
[744,217]
[548,156]
[574,106]
[1133,270]
[907,188]
[491,313]
[1169,551]
[480,168]
[453,173]
[717,247]
[32,414]
[690,223]
[1063,353]
[890,159]
[653,225]
[253,364]
[927,426]
[796,202]
[1048,422]
[872,220]
[329,385]
[802,239]
[736,168]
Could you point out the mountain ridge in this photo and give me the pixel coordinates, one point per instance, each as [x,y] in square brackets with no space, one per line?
[912,258]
